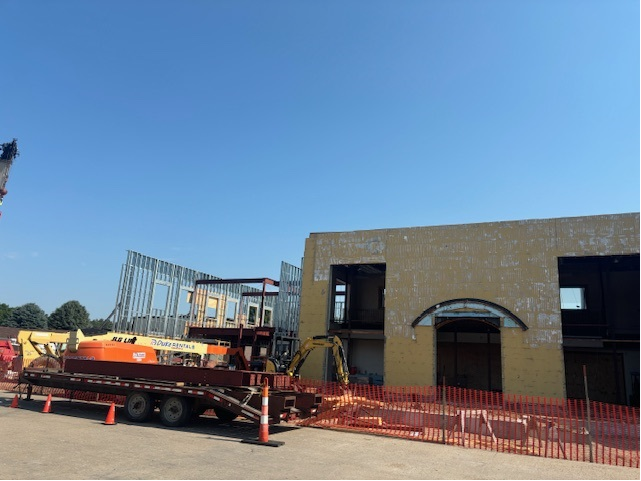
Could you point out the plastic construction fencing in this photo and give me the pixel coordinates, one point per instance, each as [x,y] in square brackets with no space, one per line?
[551,428]
[537,426]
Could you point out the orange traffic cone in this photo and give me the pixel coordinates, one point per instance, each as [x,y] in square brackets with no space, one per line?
[263,430]
[47,408]
[14,403]
[111,415]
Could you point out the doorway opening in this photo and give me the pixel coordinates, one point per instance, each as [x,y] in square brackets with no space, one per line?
[468,353]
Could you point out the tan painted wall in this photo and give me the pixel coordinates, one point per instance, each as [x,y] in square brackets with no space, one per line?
[512,264]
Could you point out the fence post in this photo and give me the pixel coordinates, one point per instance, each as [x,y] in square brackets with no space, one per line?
[587,405]
[443,415]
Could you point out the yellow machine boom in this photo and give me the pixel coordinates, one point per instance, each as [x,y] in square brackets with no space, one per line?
[311,343]
[36,344]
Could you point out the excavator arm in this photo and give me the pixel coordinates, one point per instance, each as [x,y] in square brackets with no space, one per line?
[333,342]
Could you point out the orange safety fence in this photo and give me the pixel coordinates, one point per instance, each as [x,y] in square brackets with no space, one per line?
[532,425]
[545,427]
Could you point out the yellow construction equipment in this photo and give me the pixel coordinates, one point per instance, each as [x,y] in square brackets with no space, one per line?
[311,343]
[46,348]
[42,348]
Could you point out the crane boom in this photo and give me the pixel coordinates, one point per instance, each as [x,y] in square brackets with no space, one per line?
[9,151]
[35,344]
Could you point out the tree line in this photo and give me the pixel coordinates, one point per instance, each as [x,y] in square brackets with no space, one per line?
[68,317]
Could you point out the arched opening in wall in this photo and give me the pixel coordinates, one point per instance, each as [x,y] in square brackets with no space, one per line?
[468,341]
[468,353]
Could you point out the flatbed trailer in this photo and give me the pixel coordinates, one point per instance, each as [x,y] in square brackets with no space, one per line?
[179,392]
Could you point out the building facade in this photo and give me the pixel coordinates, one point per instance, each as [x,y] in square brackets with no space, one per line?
[518,307]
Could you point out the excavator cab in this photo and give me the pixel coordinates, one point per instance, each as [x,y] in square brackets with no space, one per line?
[311,343]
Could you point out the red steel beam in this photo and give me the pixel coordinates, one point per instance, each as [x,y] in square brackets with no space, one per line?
[189,375]
[253,280]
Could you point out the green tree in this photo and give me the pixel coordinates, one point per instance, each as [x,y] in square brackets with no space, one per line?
[5,314]
[28,316]
[70,316]
[101,324]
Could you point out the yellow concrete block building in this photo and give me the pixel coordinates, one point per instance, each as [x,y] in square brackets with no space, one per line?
[517,306]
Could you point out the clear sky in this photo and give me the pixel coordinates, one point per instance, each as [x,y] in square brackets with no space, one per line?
[218,135]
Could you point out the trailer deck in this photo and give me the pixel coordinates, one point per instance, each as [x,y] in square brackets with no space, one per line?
[179,391]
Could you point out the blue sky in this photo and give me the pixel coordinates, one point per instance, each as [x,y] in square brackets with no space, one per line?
[219,134]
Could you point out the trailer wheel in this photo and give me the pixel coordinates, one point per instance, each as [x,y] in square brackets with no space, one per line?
[139,407]
[224,415]
[175,411]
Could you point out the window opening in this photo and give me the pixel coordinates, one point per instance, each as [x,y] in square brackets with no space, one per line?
[230,313]
[252,315]
[573,298]
[267,317]
[340,299]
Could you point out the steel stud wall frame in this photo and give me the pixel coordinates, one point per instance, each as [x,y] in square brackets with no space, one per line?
[154,298]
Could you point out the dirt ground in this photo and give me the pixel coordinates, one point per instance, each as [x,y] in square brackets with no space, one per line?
[73,442]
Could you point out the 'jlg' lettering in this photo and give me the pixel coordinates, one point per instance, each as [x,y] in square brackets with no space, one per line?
[131,340]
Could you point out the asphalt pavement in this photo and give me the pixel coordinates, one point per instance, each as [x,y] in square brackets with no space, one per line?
[72,442]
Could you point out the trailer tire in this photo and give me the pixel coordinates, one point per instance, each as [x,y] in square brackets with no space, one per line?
[139,406]
[175,411]
[224,416]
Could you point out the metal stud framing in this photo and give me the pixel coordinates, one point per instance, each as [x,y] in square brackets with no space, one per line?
[154,298]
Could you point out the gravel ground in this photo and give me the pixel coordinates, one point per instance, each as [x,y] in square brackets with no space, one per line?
[73,443]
